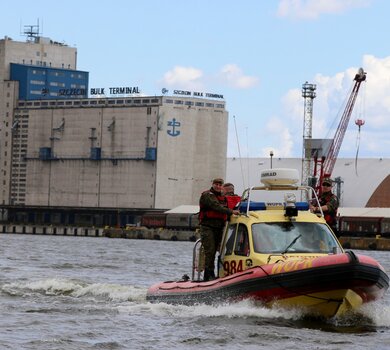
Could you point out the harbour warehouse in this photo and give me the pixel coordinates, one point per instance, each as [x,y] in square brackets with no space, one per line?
[72,158]
[68,158]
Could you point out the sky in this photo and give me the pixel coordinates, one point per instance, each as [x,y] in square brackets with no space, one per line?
[256,53]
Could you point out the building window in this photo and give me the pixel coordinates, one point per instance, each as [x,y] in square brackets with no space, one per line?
[149,110]
[37,82]
[36,92]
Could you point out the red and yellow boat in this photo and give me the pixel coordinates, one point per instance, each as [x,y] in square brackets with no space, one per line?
[279,253]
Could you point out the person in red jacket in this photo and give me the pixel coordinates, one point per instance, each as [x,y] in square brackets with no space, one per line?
[212,218]
[231,198]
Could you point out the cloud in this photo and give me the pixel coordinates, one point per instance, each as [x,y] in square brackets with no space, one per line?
[232,76]
[372,105]
[183,77]
[312,9]
[278,133]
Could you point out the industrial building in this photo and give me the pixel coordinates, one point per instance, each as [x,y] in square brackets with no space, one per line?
[359,183]
[71,159]
[67,158]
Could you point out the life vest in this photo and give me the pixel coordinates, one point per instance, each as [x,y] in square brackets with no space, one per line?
[212,214]
[232,201]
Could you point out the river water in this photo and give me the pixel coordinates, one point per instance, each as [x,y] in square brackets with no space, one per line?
[60,292]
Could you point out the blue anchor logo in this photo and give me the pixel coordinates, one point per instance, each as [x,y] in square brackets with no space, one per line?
[174,124]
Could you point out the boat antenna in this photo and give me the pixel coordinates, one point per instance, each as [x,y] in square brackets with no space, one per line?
[239,152]
[247,156]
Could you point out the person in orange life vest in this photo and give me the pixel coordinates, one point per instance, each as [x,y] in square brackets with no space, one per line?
[212,218]
[231,198]
[329,204]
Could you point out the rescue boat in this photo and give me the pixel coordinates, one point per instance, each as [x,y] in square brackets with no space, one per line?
[280,253]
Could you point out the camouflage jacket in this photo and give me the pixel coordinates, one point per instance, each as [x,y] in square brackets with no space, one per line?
[213,209]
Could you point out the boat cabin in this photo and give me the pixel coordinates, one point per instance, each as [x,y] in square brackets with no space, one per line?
[280,230]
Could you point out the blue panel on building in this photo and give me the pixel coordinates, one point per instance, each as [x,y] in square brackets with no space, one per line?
[151,153]
[96,153]
[45,153]
[46,83]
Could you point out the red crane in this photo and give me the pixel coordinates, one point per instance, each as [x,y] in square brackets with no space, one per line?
[323,167]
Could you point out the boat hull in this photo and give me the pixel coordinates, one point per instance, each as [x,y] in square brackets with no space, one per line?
[326,286]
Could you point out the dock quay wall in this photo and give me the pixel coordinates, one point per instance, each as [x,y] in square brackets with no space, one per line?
[364,243]
[156,234]
[132,233]
[52,230]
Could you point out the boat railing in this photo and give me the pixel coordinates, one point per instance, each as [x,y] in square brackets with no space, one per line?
[197,261]
[309,193]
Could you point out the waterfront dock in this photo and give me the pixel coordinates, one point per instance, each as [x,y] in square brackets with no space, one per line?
[360,243]
[128,232]
[52,230]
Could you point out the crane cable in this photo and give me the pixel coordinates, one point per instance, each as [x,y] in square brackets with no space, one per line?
[359,122]
[239,152]
[357,149]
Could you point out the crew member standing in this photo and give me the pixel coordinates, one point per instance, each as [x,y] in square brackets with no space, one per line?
[329,204]
[231,198]
[212,217]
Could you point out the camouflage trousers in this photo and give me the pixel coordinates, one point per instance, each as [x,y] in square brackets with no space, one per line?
[211,239]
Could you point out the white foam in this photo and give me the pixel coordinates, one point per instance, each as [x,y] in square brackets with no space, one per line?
[242,309]
[377,312]
[77,289]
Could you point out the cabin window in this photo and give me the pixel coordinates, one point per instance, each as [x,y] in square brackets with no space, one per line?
[230,240]
[237,241]
[242,241]
[292,237]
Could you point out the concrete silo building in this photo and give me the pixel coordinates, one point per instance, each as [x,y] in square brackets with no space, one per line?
[67,158]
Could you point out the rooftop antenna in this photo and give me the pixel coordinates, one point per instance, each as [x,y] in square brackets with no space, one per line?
[31,31]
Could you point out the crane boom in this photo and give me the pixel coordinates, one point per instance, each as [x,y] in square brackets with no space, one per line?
[334,149]
[324,165]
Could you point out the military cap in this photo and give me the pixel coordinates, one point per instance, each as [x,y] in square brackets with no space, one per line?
[327,182]
[218,180]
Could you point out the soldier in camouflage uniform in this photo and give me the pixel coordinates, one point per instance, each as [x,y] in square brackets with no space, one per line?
[329,204]
[212,216]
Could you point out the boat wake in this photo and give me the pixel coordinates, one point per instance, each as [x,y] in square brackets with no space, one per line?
[130,299]
[76,289]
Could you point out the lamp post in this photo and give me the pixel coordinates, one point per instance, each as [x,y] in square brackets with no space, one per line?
[271,154]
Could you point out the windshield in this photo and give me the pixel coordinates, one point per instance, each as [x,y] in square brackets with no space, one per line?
[292,237]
